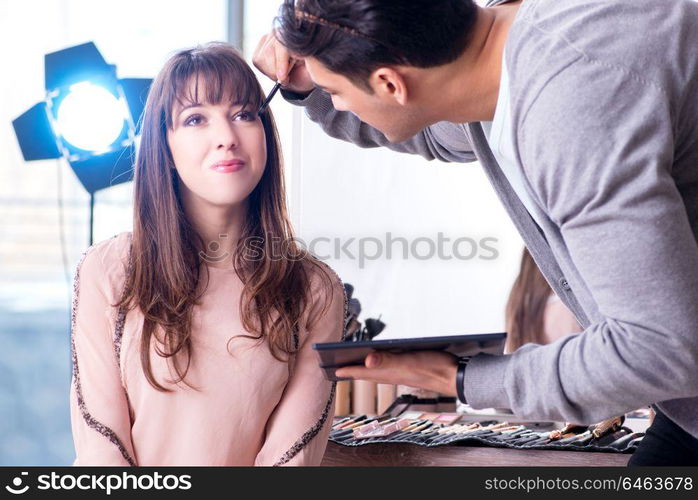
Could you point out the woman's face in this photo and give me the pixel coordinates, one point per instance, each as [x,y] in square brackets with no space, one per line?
[219,150]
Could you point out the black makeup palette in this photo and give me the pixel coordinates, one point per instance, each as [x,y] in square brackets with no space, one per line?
[333,355]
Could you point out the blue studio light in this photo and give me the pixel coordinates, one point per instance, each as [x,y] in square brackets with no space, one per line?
[89,116]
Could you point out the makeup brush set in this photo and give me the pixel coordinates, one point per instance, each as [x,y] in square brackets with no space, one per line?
[354,331]
[437,429]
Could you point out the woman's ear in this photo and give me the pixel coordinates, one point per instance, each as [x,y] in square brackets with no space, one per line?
[388,83]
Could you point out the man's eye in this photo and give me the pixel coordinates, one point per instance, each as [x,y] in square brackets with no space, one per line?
[245,116]
[193,120]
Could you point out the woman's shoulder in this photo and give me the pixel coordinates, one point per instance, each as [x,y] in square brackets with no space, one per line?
[324,281]
[106,262]
[112,251]
[328,300]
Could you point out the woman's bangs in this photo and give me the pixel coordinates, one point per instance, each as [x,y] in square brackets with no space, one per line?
[212,81]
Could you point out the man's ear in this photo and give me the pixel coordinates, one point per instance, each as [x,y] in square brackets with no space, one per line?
[389,83]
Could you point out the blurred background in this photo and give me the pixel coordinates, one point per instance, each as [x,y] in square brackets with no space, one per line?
[337,192]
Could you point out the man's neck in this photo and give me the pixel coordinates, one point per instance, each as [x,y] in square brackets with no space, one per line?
[470,84]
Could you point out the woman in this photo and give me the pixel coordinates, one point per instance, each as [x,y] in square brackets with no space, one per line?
[534,314]
[192,336]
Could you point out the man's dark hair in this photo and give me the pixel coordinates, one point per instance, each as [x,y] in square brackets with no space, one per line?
[355,37]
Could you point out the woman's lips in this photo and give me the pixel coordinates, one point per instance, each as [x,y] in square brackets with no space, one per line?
[228,166]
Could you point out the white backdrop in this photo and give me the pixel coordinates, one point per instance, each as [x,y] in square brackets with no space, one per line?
[340,192]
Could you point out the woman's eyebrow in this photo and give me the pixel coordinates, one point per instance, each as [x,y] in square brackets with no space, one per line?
[199,104]
[188,106]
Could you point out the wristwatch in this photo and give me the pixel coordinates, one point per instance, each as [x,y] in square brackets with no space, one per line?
[460,378]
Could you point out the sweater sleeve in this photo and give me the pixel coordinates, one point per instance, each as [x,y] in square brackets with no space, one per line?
[448,142]
[597,147]
[298,428]
[99,408]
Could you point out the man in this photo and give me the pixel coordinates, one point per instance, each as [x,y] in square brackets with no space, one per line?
[584,115]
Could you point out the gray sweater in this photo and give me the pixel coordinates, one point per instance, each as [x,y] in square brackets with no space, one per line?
[604,102]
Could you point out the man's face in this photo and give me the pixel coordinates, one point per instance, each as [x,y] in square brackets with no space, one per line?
[381,110]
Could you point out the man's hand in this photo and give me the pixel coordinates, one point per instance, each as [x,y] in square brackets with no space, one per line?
[430,370]
[275,61]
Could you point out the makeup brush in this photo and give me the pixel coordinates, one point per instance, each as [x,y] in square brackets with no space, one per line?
[406,432]
[348,421]
[607,426]
[578,439]
[270,96]
[541,439]
[274,90]
[610,438]
[373,327]
[447,430]
[621,443]
[529,439]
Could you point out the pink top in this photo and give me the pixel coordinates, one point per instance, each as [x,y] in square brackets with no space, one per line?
[251,409]
[558,321]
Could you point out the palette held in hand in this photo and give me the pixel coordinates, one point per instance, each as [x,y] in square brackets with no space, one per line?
[335,355]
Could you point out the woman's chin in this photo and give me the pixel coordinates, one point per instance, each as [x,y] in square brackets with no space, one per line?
[227,202]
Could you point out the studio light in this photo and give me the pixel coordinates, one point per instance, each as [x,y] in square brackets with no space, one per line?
[88,116]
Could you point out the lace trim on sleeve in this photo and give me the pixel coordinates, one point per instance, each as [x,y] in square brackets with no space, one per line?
[310,433]
[89,419]
[303,441]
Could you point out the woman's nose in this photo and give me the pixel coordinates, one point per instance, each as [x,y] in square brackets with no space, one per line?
[226,136]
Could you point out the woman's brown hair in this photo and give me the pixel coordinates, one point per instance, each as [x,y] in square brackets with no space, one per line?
[165,271]
[525,310]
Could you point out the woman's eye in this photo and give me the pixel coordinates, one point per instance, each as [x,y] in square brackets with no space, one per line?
[193,120]
[245,116]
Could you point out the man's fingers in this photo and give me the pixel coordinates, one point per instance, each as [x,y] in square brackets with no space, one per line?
[283,61]
[348,372]
[363,373]
[378,367]
[275,61]
[260,47]
[376,360]
[264,58]
[433,371]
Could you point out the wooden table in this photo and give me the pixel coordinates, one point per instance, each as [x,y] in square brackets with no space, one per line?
[403,454]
